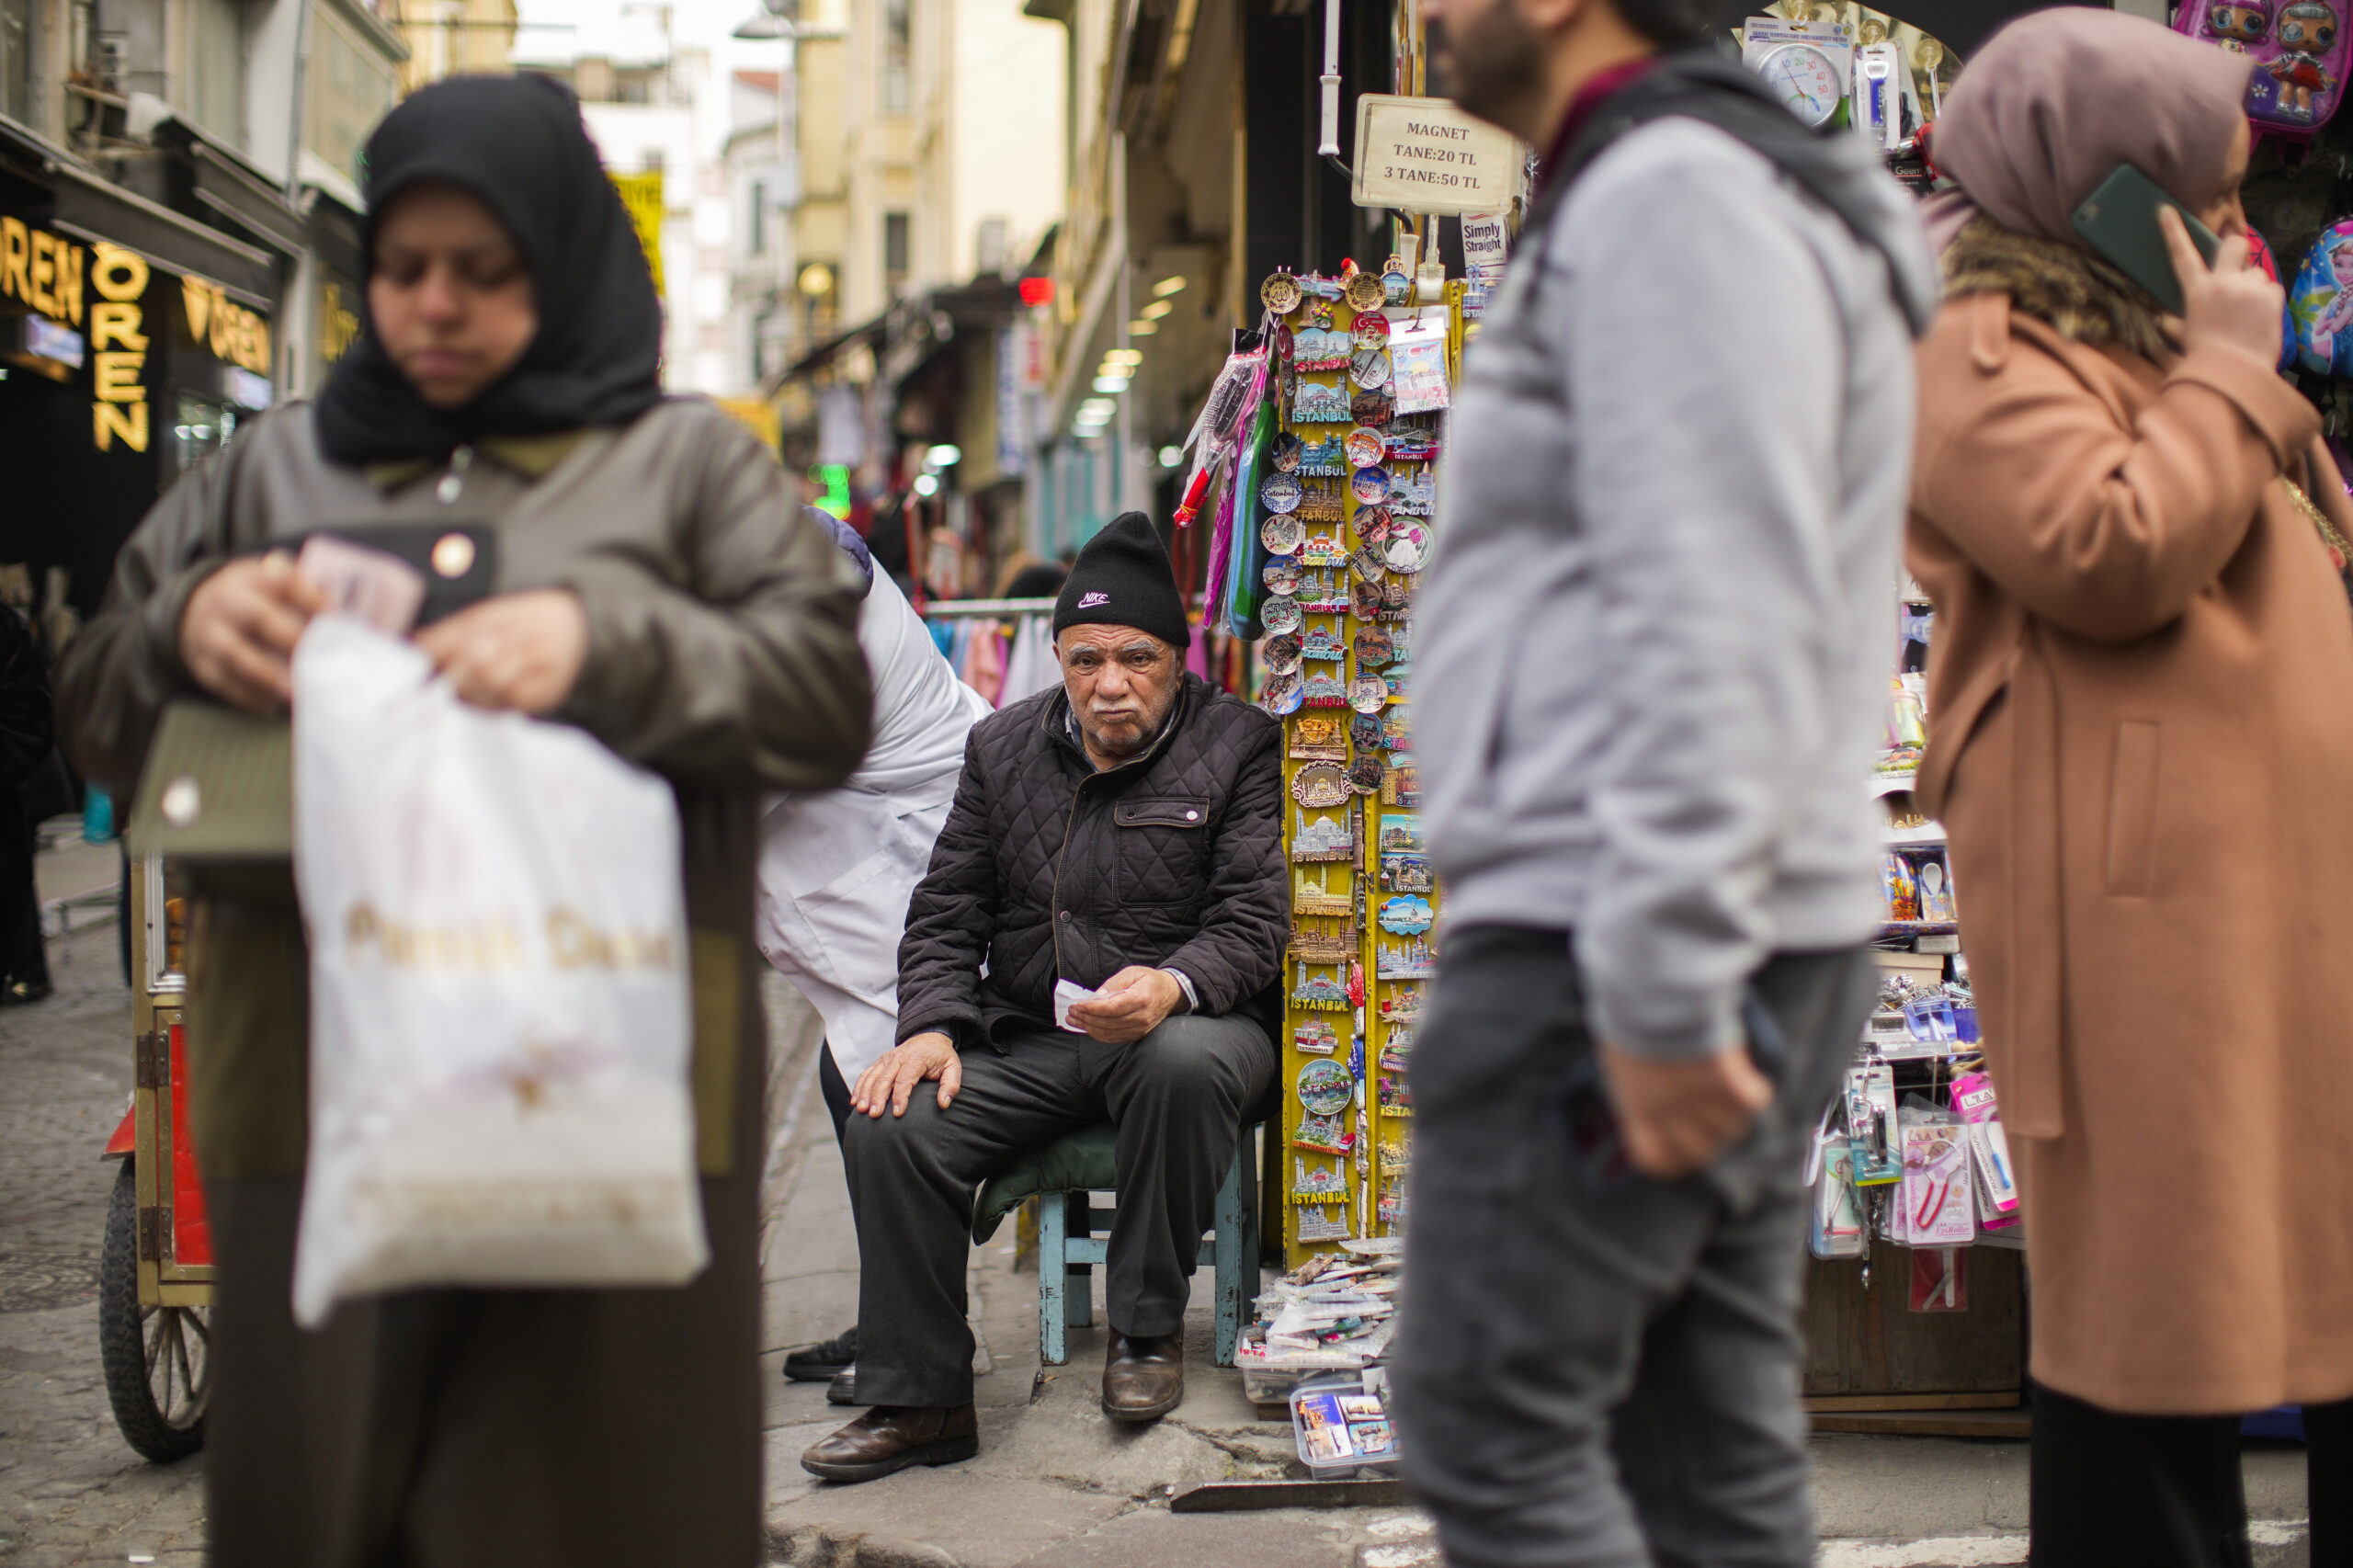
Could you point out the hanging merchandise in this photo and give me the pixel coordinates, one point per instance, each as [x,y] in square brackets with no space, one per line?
[2321,303]
[2299,51]
[1247,563]
[1333,520]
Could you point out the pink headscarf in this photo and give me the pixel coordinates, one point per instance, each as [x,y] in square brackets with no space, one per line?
[2056,100]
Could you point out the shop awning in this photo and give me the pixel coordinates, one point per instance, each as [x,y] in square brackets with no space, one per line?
[96,209]
[102,212]
[225,185]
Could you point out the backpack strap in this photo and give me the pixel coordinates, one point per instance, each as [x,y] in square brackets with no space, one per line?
[1832,165]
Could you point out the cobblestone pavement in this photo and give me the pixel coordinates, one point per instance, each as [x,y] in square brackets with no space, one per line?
[71,1490]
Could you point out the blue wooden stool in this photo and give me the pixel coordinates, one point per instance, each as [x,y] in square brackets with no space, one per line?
[1062,1176]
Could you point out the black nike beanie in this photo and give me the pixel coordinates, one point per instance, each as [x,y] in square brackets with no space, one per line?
[1122,578]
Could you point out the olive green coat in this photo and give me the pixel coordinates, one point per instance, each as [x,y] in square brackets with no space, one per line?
[520,1427]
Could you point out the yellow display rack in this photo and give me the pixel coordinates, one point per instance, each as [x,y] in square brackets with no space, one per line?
[1344,1175]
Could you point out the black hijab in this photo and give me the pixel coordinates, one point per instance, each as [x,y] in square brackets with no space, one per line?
[517,144]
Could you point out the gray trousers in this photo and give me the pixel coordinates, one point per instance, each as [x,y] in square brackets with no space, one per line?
[1177,1097]
[1603,1374]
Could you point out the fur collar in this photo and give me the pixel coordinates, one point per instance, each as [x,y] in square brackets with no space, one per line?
[2079,296]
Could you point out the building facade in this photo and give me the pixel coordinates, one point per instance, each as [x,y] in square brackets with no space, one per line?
[178,247]
[450,38]
[655,110]
[931,140]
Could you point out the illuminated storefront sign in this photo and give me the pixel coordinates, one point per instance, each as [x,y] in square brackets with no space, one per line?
[118,409]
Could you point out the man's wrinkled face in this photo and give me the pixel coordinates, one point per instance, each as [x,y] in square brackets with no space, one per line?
[1122,683]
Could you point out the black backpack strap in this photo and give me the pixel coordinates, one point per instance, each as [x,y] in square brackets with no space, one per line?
[1831,164]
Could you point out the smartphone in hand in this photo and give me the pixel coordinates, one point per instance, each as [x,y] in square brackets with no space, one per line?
[2119,222]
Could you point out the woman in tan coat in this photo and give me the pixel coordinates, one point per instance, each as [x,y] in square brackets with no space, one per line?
[2141,701]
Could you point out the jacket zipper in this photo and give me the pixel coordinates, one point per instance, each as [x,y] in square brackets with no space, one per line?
[1071,819]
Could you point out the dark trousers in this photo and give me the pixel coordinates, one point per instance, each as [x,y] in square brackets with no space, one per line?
[2117,1491]
[23,955]
[1598,1373]
[1177,1097]
[835,1089]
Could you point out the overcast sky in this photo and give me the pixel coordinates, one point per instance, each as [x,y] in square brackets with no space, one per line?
[623,29]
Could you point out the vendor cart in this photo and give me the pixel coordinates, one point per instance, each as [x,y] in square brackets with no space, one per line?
[156,1264]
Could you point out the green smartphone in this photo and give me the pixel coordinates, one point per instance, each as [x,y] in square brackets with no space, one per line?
[2119,220]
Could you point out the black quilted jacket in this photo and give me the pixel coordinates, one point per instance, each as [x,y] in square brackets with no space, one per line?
[1048,870]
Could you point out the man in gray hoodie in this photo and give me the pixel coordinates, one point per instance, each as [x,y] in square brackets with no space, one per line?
[1653,654]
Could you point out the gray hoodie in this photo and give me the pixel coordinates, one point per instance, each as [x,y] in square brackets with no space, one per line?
[1655,637]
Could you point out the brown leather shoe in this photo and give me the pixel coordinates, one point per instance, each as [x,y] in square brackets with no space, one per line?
[893,1436]
[1143,1379]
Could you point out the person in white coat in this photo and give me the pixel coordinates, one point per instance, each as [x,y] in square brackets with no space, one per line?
[838,866]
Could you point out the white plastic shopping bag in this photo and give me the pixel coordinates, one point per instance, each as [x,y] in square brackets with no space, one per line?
[500,1019]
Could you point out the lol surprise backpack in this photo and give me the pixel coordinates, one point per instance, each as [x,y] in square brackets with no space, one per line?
[2299,50]
[2321,305]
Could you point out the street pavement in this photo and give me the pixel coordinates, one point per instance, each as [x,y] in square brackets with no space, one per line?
[1056,1485]
[71,1490]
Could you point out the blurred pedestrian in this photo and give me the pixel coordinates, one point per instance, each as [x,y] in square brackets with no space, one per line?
[655,588]
[1652,671]
[2141,723]
[838,866]
[28,749]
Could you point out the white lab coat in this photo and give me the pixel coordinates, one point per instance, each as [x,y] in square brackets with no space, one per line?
[837,867]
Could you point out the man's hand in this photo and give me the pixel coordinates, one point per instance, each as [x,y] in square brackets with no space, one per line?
[889,1081]
[518,651]
[1130,1006]
[1679,1116]
[238,631]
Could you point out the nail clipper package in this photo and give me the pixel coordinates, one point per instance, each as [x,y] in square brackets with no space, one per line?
[1837,1229]
[1870,1124]
[1973,1098]
[1937,1202]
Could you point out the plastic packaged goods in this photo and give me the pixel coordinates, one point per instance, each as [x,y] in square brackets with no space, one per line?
[499,1021]
[1340,1423]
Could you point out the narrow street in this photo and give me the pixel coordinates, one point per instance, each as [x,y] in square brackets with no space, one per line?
[71,1490]
[1056,1485]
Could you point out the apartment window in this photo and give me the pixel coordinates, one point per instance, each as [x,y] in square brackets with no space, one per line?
[758,226]
[349,87]
[17,59]
[896,27]
[216,79]
[894,250]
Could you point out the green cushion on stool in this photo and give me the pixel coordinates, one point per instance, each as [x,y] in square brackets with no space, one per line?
[1087,1160]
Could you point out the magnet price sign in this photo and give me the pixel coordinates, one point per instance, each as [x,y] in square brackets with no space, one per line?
[1425,156]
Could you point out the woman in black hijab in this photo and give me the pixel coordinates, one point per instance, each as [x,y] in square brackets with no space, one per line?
[656,588]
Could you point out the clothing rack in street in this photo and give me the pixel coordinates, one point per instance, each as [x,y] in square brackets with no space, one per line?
[1001,609]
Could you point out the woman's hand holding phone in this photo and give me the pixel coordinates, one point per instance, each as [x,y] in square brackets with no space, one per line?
[2230,305]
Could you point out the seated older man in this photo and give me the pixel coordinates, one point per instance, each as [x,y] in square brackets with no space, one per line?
[1121,832]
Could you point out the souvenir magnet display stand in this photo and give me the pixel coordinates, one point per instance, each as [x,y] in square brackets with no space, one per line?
[1342,507]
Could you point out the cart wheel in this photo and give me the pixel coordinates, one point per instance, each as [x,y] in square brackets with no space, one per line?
[158,1360]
